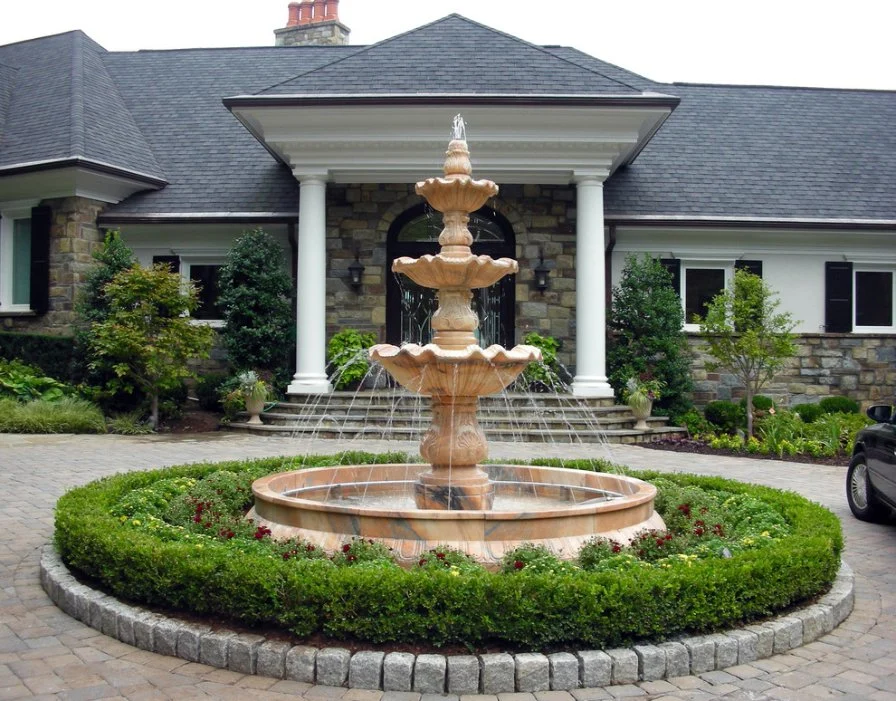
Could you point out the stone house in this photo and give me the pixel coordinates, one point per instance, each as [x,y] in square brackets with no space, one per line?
[319,142]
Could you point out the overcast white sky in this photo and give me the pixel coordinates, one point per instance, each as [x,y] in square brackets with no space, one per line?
[817,43]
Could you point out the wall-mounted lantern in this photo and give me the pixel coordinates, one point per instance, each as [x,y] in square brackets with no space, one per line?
[355,271]
[542,272]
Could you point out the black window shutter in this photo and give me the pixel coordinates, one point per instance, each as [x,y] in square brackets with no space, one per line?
[751,266]
[838,297]
[173,262]
[41,221]
[673,265]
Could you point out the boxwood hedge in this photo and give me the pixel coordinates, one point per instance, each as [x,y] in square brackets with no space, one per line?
[436,607]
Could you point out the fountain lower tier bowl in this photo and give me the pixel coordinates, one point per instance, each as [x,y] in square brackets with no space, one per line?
[470,372]
[558,508]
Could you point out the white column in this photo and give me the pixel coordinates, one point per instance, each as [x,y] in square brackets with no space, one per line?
[591,313]
[311,289]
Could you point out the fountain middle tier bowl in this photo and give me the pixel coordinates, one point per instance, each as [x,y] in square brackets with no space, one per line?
[440,271]
[456,193]
[471,372]
[558,508]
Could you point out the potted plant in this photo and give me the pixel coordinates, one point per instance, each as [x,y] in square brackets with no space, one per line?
[252,391]
[640,393]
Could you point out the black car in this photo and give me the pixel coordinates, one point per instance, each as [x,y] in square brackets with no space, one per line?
[871,478]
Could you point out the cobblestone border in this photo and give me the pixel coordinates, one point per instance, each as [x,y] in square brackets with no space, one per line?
[439,674]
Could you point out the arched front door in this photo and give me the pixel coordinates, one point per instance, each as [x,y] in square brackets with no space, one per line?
[409,307]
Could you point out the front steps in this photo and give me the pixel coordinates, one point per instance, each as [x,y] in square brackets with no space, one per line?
[512,417]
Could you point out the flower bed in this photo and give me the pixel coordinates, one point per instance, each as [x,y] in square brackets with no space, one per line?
[163,538]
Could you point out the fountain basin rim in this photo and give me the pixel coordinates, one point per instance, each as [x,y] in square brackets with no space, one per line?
[643,492]
[493,354]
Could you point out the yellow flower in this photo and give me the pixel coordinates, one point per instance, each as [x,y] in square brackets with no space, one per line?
[766,534]
[135,522]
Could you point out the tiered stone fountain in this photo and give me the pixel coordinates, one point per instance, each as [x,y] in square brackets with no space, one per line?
[457,501]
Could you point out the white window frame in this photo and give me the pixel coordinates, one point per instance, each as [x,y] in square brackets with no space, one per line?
[726,265]
[10,212]
[187,261]
[873,268]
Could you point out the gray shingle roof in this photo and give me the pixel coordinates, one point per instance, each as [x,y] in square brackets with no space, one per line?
[782,153]
[213,164]
[7,82]
[454,55]
[63,104]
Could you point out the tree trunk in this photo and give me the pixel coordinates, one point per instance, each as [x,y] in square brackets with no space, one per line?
[749,398]
[154,411]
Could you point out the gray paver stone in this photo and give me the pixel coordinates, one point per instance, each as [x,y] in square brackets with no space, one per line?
[213,648]
[498,671]
[463,674]
[366,670]
[564,671]
[270,660]
[765,640]
[301,663]
[69,602]
[533,672]
[242,653]
[726,650]
[788,633]
[841,599]
[651,662]
[429,674]
[109,618]
[164,636]
[82,603]
[702,651]
[144,629]
[398,671]
[95,607]
[747,642]
[595,668]
[332,666]
[625,665]
[127,617]
[817,621]
[678,662]
[189,636]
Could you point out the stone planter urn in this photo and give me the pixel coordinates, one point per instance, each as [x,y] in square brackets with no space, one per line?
[641,406]
[254,407]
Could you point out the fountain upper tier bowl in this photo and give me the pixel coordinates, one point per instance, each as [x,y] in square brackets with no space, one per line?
[468,272]
[470,372]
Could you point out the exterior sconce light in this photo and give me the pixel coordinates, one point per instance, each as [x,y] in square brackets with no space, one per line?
[542,272]
[355,271]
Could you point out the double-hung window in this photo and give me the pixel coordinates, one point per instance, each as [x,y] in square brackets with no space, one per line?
[859,297]
[203,272]
[698,281]
[15,260]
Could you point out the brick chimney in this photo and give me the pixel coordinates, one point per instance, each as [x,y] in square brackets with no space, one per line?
[313,23]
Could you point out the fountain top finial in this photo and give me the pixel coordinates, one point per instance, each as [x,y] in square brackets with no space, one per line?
[459,129]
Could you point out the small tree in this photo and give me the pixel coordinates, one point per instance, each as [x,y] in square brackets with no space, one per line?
[747,335]
[255,289]
[147,336]
[647,338]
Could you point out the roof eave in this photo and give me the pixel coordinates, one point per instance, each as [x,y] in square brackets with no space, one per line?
[151,181]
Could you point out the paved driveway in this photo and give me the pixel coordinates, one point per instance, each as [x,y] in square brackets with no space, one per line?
[46,654]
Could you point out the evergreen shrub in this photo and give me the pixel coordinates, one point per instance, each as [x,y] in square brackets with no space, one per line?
[842,405]
[371,601]
[724,415]
[54,355]
[808,412]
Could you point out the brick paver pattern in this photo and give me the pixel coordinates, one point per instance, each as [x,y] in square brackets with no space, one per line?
[46,654]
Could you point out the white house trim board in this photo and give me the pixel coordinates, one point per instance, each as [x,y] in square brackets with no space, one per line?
[539,144]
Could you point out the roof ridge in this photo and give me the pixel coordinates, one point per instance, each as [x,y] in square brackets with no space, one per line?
[363,49]
[77,97]
[47,36]
[778,87]
[542,49]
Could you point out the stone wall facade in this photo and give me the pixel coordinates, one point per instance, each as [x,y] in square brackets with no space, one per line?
[74,237]
[861,367]
[543,219]
[319,34]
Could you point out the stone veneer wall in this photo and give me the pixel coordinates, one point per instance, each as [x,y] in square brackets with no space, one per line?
[74,237]
[359,217]
[861,367]
[318,34]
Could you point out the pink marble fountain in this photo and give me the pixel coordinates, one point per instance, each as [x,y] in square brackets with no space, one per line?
[455,500]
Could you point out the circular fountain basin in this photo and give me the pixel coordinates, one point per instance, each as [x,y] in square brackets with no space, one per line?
[558,508]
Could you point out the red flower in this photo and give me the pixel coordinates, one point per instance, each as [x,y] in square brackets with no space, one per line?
[346,548]
[310,548]
[685,509]
[422,561]
[699,531]
[285,556]
[668,536]
[718,530]
[261,532]
[441,556]
[518,565]
[351,558]
[617,548]
[700,523]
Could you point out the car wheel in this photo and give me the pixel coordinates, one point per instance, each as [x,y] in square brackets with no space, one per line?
[859,493]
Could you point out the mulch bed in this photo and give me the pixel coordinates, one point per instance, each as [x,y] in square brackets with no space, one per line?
[687,445]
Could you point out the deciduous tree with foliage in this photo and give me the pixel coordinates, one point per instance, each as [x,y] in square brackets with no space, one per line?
[254,294]
[746,334]
[147,336]
[646,334]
